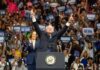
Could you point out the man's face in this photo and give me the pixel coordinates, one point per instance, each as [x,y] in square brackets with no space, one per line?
[49,29]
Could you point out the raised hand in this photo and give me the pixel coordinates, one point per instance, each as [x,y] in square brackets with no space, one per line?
[33,16]
[70,20]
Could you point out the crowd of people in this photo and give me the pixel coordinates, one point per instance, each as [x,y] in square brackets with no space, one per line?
[71,27]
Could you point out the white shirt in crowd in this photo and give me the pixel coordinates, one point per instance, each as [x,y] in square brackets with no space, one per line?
[75,65]
[15,65]
[67,58]
[2,65]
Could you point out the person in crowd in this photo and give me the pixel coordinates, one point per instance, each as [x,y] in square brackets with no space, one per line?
[83,59]
[2,62]
[89,48]
[17,57]
[91,65]
[77,64]
[67,55]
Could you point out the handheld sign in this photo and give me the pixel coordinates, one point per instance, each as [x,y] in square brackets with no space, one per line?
[17,28]
[25,28]
[98,25]
[54,4]
[88,31]
[2,12]
[61,8]
[50,18]
[68,11]
[65,39]
[71,1]
[2,37]
[27,13]
[64,1]
[91,17]
[42,27]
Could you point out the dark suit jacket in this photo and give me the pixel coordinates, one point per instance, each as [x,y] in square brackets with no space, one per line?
[31,57]
[47,43]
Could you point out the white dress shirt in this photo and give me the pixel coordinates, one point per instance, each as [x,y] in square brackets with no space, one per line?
[33,43]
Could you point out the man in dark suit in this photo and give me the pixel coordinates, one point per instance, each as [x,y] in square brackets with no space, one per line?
[48,38]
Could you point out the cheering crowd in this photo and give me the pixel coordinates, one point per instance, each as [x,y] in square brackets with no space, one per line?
[71,27]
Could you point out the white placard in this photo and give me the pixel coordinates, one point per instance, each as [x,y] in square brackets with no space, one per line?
[88,31]
[27,13]
[64,0]
[25,29]
[66,39]
[91,16]
[2,12]
[98,25]
[1,39]
[69,11]
[1,33]
[53,4]
[42,27]
[62,8]
[16,28]
[72,1]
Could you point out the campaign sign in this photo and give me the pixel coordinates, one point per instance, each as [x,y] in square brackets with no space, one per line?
[27,13]
[71,1]
[98,25]
[91,16]
[50,18]
[53,4]
[2,37]
[61,8]
[65,39]
[25,28]
[88,31]
[1,33]
[2,12]
[68,11]
[17,28]
[64,0]
[42,27]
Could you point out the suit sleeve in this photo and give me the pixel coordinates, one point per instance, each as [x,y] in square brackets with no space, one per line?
[61,32]
[36,26]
